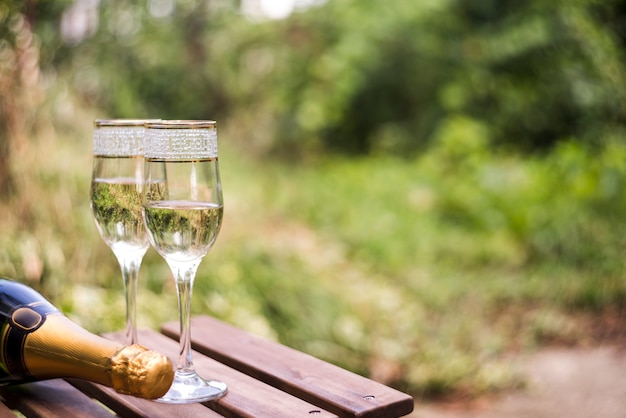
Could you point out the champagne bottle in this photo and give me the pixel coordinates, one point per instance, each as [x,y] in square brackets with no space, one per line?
[38,342]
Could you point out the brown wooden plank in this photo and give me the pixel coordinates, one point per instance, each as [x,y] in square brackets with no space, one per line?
[5,411]
[133,407]
[247,397]
[51,398]
[316,381]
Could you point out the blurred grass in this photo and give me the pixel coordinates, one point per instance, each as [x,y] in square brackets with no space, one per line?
[426,274]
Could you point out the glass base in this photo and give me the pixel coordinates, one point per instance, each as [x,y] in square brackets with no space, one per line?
[190,388]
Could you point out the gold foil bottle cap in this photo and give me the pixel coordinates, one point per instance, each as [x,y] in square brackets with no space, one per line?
[137,371]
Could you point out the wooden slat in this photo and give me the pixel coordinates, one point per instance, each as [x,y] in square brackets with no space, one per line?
[50,399]
[132,407]
[325,385]
[5,411]
[247,397]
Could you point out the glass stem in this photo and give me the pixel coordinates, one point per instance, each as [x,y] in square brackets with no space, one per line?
[185,273]
[130,274]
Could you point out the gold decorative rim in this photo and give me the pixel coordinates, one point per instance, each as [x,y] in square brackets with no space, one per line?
[99,123]
[181,124]
[119,137]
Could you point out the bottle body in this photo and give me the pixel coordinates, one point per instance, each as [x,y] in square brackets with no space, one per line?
[38,342]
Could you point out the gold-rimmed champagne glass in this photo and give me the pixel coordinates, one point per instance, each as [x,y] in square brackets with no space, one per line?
[116,186]
[183,207]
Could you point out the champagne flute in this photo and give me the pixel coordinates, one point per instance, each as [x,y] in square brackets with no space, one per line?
[116,186]
[183,207]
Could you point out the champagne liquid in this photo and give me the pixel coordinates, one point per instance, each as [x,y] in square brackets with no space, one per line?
[183,230]
[116,206]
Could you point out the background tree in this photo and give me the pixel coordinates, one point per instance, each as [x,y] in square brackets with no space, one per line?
[19,72]
[359,77]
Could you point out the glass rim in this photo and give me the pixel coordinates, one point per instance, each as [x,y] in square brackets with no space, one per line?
[100,123]
[179,140]
[180,124]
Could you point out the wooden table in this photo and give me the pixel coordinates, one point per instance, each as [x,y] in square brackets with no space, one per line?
[265,379]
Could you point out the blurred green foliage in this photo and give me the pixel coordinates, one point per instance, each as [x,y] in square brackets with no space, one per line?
[413,191]
[361,76]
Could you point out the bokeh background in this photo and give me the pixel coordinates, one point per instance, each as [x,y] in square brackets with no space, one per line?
[417,191]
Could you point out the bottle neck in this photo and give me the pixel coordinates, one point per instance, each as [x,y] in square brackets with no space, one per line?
[61,348]
[38,342]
